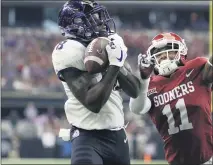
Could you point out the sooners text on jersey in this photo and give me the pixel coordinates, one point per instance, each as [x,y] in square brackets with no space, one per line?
[181,111]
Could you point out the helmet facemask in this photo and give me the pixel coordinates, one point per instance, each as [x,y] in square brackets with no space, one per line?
[167,55]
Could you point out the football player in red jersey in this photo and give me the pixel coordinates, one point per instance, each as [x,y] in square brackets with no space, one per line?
[177,99]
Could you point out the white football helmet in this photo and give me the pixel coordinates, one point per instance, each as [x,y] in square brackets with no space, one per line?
[165,43]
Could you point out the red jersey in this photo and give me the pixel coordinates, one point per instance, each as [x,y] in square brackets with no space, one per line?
[181,111]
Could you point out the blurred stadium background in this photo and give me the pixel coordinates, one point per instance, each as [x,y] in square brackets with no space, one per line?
[32,98]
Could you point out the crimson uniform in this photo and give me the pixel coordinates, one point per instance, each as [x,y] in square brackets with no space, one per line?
[180,109]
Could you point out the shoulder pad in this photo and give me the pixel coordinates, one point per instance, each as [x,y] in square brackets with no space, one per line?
[68,53]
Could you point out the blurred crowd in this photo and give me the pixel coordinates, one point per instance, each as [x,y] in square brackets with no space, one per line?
[35,135]
[26,55]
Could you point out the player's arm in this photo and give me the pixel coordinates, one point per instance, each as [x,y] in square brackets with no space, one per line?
[128,82]
[92,96]
[142,103]
[207,72]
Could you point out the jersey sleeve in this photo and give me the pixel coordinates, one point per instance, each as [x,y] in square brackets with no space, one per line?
[141,104]
[68,54]
[198,62]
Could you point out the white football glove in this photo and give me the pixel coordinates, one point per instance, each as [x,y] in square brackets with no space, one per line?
[146,65]
[115,53]
[64,134]
[119,40]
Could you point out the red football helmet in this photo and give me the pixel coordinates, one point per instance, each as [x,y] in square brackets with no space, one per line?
[165,43]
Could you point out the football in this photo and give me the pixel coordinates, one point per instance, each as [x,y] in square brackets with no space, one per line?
[95,58]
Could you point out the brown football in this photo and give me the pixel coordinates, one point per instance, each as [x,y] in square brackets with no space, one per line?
[95,58]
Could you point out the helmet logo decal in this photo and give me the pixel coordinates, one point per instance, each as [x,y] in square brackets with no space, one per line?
[168,36]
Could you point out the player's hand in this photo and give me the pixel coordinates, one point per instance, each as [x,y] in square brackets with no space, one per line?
[115,53]
[146,65]
[119,40]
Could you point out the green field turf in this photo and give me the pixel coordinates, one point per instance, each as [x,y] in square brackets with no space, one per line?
[61,161]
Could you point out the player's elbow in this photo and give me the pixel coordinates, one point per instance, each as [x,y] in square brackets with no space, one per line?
[134,93]
[137,92]
[93,106]
[95,109]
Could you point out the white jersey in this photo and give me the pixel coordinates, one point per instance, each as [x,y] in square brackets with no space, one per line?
[111,116]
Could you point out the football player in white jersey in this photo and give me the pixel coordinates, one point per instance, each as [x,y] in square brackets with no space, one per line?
[94,106]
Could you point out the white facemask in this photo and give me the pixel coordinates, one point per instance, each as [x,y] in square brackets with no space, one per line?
[167,67]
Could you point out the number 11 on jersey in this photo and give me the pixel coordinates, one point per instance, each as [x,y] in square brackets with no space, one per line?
[185,124]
